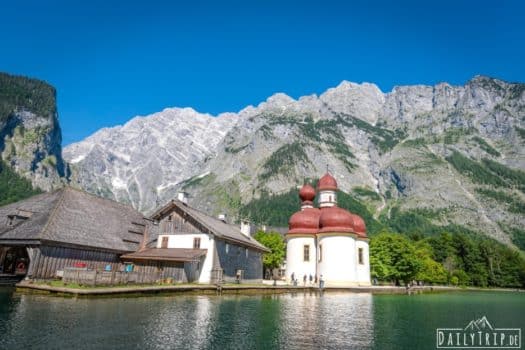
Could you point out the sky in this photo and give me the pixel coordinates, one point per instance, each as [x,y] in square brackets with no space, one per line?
[113,60]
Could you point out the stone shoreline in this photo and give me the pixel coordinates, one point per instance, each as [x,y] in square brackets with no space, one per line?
[25,286]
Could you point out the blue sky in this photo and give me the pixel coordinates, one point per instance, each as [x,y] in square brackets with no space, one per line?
[112,60]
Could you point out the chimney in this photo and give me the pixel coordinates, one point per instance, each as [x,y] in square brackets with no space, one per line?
[246,228]
[183,197]
[222,217]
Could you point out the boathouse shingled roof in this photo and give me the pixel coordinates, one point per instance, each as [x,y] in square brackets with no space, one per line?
[72,217]
[215,226]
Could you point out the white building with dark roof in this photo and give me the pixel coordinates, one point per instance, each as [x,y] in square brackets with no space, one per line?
[221,251]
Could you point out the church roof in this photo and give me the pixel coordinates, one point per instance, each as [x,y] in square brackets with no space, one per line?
[328,219]
[307,193]
[335,219]
[305,221]
[327,183]
[73,217]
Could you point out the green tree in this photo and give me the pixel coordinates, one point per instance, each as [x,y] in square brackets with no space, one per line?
[275,242]
[472,261]
[430,270]
[13,187]
[460,277]
[394,258]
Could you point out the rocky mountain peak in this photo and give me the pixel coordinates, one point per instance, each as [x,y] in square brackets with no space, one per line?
[364,100]
[414,147]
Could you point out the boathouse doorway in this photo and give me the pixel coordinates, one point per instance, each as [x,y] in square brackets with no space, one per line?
[14,260]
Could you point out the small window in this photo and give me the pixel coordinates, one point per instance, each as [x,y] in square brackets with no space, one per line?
[306,252]
[227,248]
[320,252]
[164,243]
[246,253]
[360,256]
[196,243]
[170,218]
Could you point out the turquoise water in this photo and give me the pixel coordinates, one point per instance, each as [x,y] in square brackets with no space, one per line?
[286,321]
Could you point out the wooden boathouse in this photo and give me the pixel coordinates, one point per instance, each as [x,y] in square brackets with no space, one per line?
[46,233]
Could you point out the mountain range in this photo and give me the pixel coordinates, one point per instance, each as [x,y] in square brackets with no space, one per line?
[451,154]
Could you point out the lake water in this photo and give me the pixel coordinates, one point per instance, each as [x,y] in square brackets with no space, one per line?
[285,321]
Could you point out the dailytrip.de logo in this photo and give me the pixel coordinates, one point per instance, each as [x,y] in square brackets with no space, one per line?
[478,334]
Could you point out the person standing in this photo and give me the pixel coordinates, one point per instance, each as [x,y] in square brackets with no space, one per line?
[304,279]
[311,279]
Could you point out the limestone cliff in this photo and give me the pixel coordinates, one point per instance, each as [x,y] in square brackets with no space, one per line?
[30,136]
[456,153]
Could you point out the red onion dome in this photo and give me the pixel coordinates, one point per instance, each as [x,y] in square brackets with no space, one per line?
[335,219]
[327,183]
[359,225]
[304,221]
[307,193]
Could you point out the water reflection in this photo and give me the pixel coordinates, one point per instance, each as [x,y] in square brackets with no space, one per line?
[331,321]
[304,321]
[287,321]
[179,323]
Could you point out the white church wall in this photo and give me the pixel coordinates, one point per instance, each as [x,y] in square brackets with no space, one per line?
[363,270]
[338,262]
[295,257]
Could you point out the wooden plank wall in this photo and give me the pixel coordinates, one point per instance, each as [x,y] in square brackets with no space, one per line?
[164,270]
[180,222]
[236,258]
[142,274]
[46,260]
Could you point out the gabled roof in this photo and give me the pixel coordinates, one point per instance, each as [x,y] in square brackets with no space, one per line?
[73,217]
[215,226]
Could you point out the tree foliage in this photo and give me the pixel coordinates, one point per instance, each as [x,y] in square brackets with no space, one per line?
[275,242]
[18,92]
[13,187]
[393,258]
[457,259]
[430,271]
[274,210]
[474,170]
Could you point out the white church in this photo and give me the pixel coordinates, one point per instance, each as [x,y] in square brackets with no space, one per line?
[328,242]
